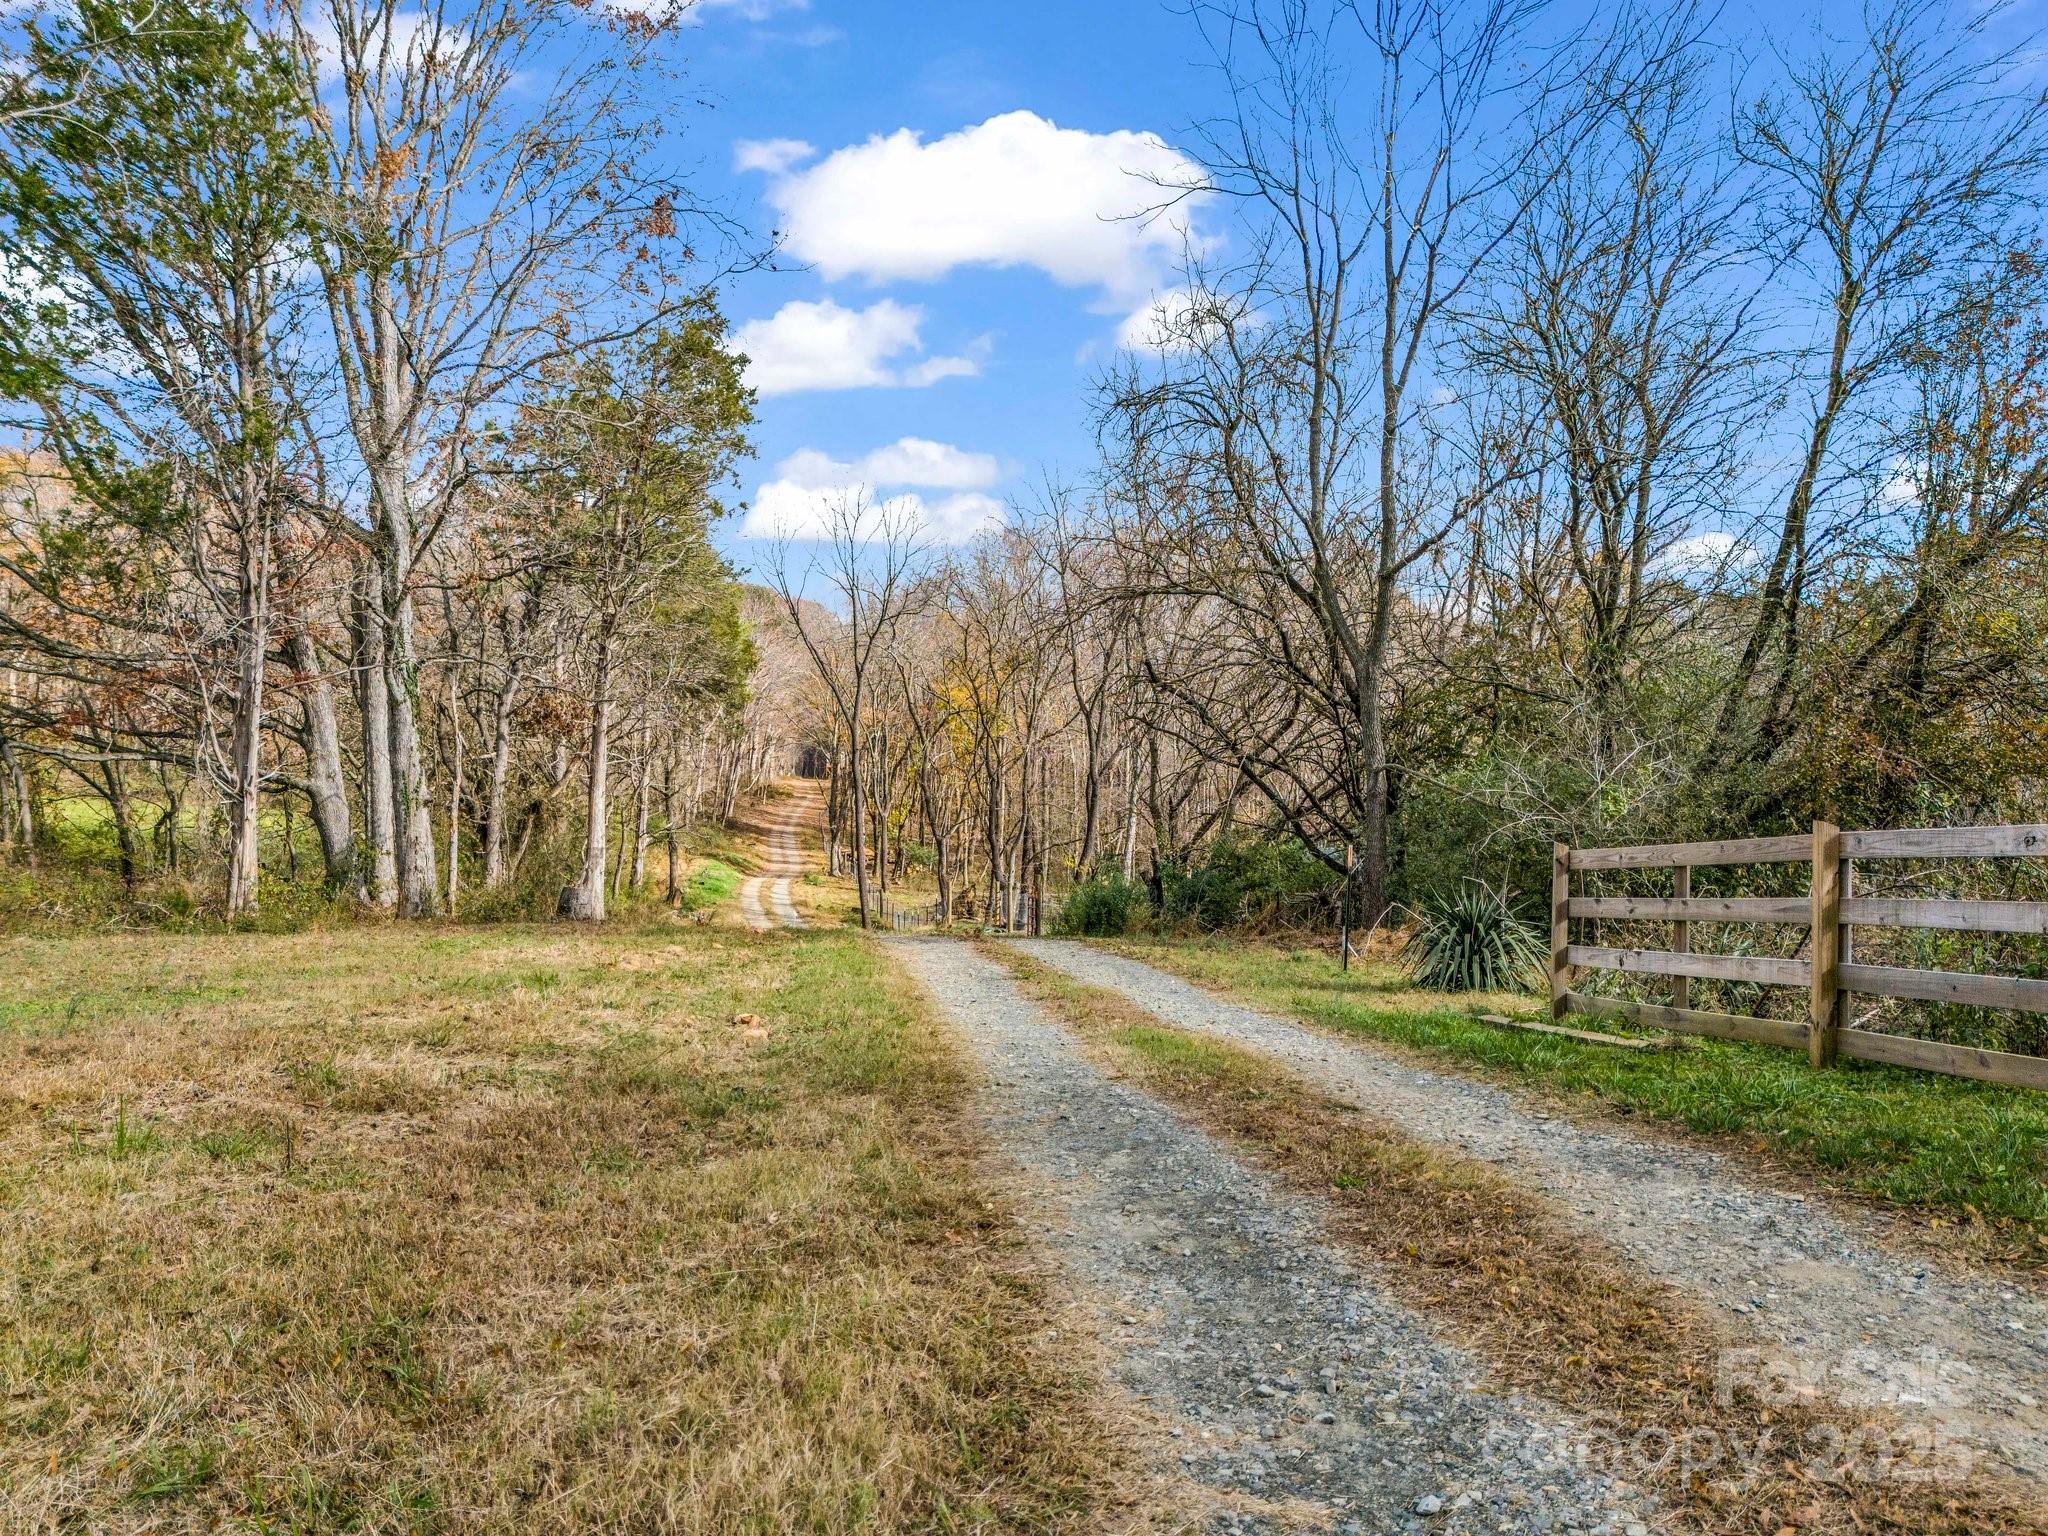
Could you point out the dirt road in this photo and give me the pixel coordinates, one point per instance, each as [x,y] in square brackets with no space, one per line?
[765,898]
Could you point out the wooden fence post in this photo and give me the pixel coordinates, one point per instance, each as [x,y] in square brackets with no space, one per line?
[1822,1033]
[1560,926]
[1344,931]
[1681,937]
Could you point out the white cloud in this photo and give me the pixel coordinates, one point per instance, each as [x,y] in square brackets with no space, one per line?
[1705,556]
[824,345]
[809,486]
[956,519]
[1014,191]
[933,369]
[1169,322]
[748,10]
[775,156]
[1901,488]
[920,461]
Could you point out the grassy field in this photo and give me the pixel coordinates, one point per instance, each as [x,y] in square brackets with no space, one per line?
[519,1229]
[1955,1151]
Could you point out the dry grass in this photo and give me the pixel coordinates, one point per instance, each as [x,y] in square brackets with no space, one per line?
[1550,1311]
[511,1230]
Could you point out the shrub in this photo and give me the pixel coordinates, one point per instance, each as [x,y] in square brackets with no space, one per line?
[1473,942]
[1101,907]
[1250,881]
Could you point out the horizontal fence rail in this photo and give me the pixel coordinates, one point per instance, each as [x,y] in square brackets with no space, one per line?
[1829,974]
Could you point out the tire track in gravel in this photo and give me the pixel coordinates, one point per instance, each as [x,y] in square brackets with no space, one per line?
[1807,1280]
[1282,1375]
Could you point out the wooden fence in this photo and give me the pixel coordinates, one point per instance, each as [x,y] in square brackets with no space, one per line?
[1829,974]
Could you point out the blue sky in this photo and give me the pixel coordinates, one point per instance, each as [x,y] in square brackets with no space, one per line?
[948,299]
[1015,295]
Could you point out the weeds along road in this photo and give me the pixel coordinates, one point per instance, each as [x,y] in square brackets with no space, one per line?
[1812,1282]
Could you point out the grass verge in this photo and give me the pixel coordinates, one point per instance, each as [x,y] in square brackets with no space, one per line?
[1549,1312]
[519,1230]
[1956,1152]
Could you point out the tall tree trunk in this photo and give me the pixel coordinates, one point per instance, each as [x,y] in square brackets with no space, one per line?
[454,780]
[834,817]
[882,815]
[584,900]
[1131,819]
[124,823]
[1044,846]
[320,734]
[166,834]
[641,806]
[245,766]
[373,687]
[24,801]
[245,804]
[495,871]
[860,860]
[411,812]
[731,799]
[668,825]
[1091,796]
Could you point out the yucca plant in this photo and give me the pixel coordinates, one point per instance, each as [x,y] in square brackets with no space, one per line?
[1473,942]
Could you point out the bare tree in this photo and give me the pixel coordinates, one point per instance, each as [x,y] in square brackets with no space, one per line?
[465,237]
[1891,168]
[869,563]
[1278,466]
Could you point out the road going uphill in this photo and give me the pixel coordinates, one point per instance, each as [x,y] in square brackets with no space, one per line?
[765,901]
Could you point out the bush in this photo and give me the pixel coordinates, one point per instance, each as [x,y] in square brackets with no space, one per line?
[1474,943]
[1244,881]
[1101,907]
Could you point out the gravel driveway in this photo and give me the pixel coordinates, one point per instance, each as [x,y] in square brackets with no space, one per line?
[1284,1380]
[1807,1280]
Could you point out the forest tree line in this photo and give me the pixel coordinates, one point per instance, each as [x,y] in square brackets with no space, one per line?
[1604,438]
[376,415]
[1575,428]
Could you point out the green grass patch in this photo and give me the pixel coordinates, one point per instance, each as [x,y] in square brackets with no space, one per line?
[1958,1150]
[711,882]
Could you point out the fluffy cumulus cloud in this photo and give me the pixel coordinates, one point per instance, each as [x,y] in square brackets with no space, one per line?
[1172,321]
[824,345]
[1015,191]
[942,488]
[773,156]
[1707,556]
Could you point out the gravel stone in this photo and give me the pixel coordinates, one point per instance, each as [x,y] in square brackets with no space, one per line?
[1153,1219]
[1809,1279]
